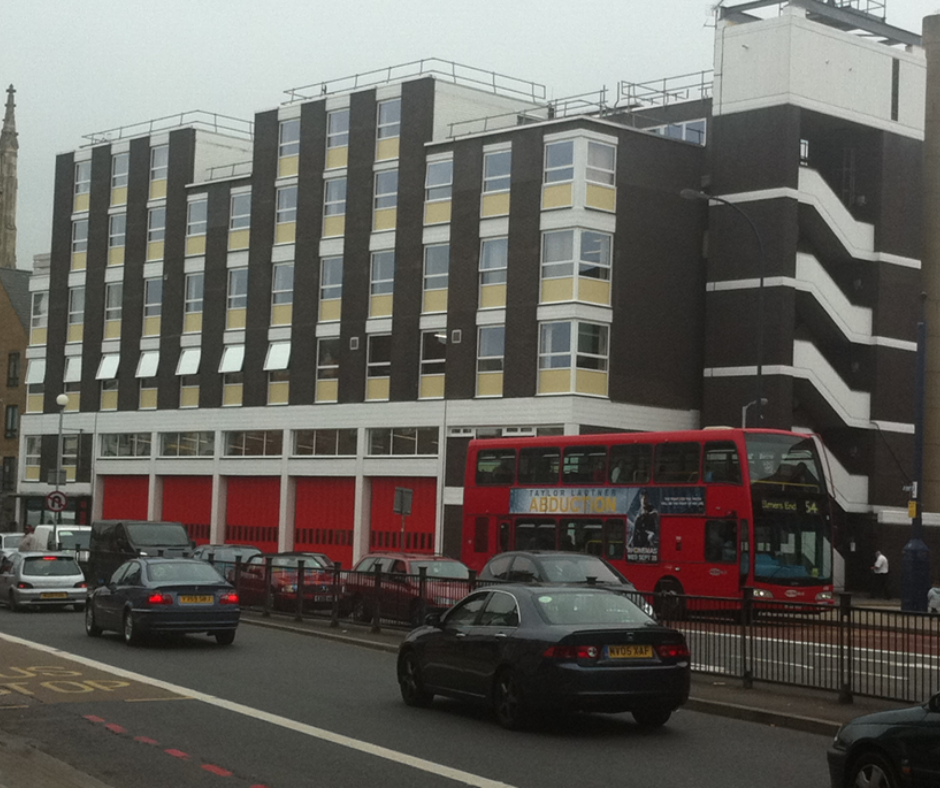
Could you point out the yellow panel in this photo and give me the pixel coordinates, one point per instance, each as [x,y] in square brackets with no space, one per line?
[70,473]
[556,196]
[387,149]
[282,314]
[235,318]
[432,387]
[437,212]
[588,381]
[552,381]
[155,250]
[288,166]
[232,394]
[76,332]
[492,296]
[435,301]
[377,388]
[278,392]
[32,473]
[495,204]
[384,219]
[158,189]
[152,326]
[119,196]
[597,291]
[196,246]
[327,390]
[148,399]
[80,203]
[557,289]
[73,402]
[604,198]
[285,233]
[490,384]
[192,323]
[380,306]
[112,329]
[116,256]
[109,400]
[34,403]
[189,397]
[331,309]
[337,157]
[334,225]
[238,239]
[79,261]
[38,336]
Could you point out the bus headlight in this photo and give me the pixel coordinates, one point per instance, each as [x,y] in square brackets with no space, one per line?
[762,593]
[824,596]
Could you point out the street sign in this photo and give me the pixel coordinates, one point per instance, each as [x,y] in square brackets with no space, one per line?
[402,502]
[56,501]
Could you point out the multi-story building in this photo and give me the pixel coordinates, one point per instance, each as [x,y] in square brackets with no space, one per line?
[264,329]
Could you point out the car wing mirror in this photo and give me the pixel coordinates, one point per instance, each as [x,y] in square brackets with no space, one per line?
[433,620]
[934,704]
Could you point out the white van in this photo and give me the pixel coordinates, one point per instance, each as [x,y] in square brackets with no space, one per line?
[63,537]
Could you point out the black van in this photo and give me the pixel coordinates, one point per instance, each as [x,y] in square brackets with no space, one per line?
[115,541]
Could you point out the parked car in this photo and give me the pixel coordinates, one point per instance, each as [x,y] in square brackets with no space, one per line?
[545,648]
[115,541]
[284,581]
[400,597]
[10,540]
[164,596]
[888,749]
[35,579]
[323,558]
[225,556]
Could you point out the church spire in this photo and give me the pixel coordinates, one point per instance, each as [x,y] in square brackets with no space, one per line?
[8,185]
[8,135]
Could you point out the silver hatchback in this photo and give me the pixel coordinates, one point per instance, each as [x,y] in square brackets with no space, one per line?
[42,579]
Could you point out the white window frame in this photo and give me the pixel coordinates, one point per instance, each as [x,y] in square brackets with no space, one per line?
[500,182]
[558,172]
[197,227]
[497,274]
[330,290]
[76,306]
[388,198]
[156,224]
[388,119]
[579,263]
[83,177]
[189,300]
[286,202]
[334,204]
[237,288]
[115,235]
[490,362]
[436,280]
[120,163]
[153,296]
[432,364]
[281,294]
[328,370]
[239,211]
[384,284]
[337,138]
[574,356]
[439,180]
[113,292]
[378,368]
[159,162]
[288,138]
[39,310]
[593,171]
[80,235]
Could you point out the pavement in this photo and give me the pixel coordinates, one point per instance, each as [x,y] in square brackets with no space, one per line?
[24,765]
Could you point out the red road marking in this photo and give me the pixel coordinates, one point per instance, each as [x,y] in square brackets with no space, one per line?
[93,718]
[145,740]
[115,728]
[217,770]
[177,753]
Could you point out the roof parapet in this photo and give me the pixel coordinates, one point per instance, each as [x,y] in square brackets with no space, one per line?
[199,119]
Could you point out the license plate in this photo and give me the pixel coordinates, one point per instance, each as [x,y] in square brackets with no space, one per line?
[630,652]
[197,600]
[54,595]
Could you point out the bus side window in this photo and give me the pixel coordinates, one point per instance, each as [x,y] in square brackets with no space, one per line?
[614,539]
[721,463]
[503,537]
[721,541]
[539,465]
[630,464]
[496,466]
[584,465]
[677,462]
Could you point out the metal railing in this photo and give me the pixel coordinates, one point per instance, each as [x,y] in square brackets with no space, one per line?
[665,91]
[197,118]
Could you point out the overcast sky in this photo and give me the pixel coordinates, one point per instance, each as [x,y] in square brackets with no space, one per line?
[81,67]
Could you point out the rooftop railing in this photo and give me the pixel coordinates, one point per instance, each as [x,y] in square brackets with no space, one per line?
[238,169]
[207,121]
[669,90]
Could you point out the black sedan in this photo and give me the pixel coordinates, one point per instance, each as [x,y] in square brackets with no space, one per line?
[524,648]
[888,749]
[164,596]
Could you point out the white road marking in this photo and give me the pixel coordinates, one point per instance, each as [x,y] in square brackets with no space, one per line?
[309,730]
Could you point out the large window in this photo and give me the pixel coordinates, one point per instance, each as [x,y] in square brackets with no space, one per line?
[80,236]
[386,189]
[187,444]
[282,284]
[389,119]
[337,128]
[82,177]
[237,288]
[555,350]
[125,444]
[76,306]
[379,363]
[39,315]
[288,138]
[404,441]
[491,348]
[496,171]
[286,205]
[601,163]
[433,352]
[119,164]
[328,359]
[436,266]
[439,180]
[254,443]
[240,218]
[331,278]
[195,285]
[117,230]
[197,217]
[156,224]
[325,443]
[593,253]
[153,297]
[113,300]
[334,197]
[159,159]
[494,261]
[383,273]
[559,161]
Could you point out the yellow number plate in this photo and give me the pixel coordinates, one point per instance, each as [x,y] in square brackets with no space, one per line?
[630,652]
[197,600]
[54,595]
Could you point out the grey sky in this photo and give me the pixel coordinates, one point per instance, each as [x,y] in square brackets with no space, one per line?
[85,67]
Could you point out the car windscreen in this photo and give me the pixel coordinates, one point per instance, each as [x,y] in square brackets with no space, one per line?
[12,540]
[157,535]
[183,573]
[577,569]
[576,608]
[291,561]
[450,569]
[73,540]
[50,566]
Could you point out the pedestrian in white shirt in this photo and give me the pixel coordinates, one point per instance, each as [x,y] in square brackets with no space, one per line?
[933,598]
[880,580]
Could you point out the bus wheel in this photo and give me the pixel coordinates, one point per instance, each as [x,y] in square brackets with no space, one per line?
[669,602]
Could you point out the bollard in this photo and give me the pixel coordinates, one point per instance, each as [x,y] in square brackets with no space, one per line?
[377,606]
[299,614]
[266,599]
[335,591]
[845,648]
[422,596]
[472,583]
[747,619]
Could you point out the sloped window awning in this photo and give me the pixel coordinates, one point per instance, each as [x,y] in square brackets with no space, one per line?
[189,361]
[108,368]
[148,364]
[278,356]
[233,357]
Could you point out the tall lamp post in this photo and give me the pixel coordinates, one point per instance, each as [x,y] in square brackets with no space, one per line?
[759,400]
[62,401]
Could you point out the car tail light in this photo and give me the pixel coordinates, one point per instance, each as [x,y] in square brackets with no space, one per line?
[159,599]
[228,599]
[24,585]
[81,585]
[49,558]
[571,652]
[673,651]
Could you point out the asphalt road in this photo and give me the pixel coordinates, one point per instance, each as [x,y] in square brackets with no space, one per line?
[278,709]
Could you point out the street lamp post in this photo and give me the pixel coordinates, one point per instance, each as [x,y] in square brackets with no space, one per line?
[759,400]
[62,401]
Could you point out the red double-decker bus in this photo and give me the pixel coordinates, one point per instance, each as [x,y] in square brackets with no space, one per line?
[699,512]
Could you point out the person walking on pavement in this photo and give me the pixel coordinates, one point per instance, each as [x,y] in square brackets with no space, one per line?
[933,598]
[880,580]
[29,541]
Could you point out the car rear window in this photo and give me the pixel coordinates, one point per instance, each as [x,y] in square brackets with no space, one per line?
[73,540]
[589,608]
[50,565]
[451,569]
[184,573]
[577,569]
[157,535]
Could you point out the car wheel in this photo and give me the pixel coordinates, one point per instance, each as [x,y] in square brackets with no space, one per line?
[410,682]
[873,770]
[668,602]
[359,610]
[131,635]
[652,716]
[508,701]
[225,638]
[91,628]
[12,602]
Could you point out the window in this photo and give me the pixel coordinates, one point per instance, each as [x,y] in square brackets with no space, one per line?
[439,180]
[559,161]
[326,443]
[389,119]
[328,359]
[601,163]
[334,197]
[496,466]
[33,458]
[80,236]
[494,261]
[159,157]
[187,444]
[282,284]
[491,348]
[331,278]
[286,205]
[288,138]
[722,463]
[592,347]
[690,131]
[117,230]
[237,288]
[9,474]
[13,370]
[433,352]
[496,171]
[197,213]
[254,443]
[721,541]
[555,346]
[558,254]
[113,300]
[379,363]
[404,441]
[119,164]
[383,273]
[82,177]
[436,265]
[337,128]
[156,224]
[630,464]
[595,255]
[240,218]
[195,284]
[125,444]
[676,462]
[584,465]
[12,421]
[386,189]
[39,315]
[153,297]
[76,306]
[539,465]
